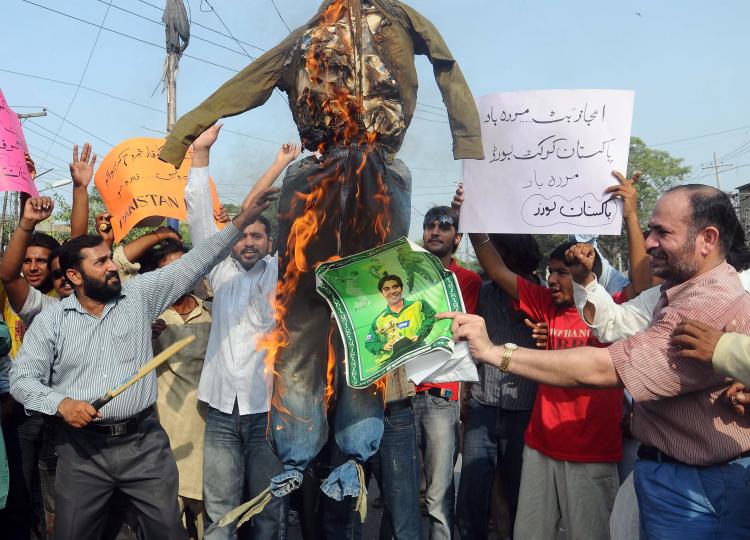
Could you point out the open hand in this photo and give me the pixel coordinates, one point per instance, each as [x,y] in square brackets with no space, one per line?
[287,153]
[257,205]
[81,170]
[697,340]
[625,189]
[206,139]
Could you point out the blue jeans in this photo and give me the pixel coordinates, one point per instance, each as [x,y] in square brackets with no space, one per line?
[396,469]
[437,437]
[237,454]
[492,435]
[693,503]
[345,207]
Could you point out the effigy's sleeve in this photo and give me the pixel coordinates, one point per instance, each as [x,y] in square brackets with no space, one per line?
[250,88]
[459,101]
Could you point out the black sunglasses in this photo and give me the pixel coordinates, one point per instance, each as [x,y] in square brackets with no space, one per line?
[444,222]
[57,274]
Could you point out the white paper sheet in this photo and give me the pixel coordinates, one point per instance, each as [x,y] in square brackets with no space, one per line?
[549,155]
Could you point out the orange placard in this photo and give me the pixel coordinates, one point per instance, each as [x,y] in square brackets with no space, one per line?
[135,184]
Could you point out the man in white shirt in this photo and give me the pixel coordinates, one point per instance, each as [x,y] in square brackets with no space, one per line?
[235,382]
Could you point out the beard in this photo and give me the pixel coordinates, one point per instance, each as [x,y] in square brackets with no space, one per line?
[102,291]
[678,267]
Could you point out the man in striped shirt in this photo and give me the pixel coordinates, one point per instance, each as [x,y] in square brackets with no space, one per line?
[90,342]
[693,472]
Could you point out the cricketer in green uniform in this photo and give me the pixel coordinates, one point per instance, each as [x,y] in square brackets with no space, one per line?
[402,324]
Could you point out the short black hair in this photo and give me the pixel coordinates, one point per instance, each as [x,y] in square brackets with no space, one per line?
[43,240]
[558,254]
[436,211]
[266,223]
[390,277]
[712,207]
[519,251]
[70,252]
[154,256]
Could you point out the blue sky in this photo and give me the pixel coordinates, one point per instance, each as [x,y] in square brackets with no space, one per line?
[686,61]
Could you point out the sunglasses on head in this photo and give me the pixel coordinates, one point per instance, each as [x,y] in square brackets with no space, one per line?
[444,222]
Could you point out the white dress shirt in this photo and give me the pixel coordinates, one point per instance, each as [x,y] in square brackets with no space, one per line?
[613,322]
[242,311]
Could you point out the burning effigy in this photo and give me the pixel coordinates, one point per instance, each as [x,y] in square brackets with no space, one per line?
[351,81]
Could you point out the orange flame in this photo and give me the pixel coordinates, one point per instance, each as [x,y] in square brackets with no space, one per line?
[347,111]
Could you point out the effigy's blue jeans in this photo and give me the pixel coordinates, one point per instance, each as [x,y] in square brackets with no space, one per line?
[347,202]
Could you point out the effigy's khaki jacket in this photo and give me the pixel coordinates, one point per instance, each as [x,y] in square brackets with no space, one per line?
[403,34]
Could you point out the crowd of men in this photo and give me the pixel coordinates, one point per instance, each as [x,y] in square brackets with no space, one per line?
[630,423]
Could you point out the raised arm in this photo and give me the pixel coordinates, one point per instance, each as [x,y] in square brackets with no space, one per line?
[640,270]
[35,210]
[81,171]
[200,210]
[286,154]
[488,257]
[161,288]
[136,249]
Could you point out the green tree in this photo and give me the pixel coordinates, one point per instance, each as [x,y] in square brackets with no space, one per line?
[660,171]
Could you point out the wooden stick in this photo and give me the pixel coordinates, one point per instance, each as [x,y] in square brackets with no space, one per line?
[151,365]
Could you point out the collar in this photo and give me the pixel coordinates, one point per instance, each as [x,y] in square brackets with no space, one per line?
[259,267]
[673,290]
[71,303]
[389,311]
[197,311]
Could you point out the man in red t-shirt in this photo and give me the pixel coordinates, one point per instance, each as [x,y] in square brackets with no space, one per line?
[573,440]
[437,406]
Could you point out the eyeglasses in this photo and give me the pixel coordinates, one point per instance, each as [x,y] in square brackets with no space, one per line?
[57,274]
[445,222]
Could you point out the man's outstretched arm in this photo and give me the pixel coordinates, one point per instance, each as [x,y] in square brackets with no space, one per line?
[582,366]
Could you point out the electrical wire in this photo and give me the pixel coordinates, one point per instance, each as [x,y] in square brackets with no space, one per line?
[80,81]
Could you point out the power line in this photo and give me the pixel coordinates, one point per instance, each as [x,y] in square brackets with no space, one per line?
[160,23]
[53,141]
[193,23]
[118,98]
[80,81]
[224,25]
[280,17]
[123,34]
[30,121]
[701,136]
[79,127]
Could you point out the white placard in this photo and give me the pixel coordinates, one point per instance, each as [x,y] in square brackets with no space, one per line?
[549,155]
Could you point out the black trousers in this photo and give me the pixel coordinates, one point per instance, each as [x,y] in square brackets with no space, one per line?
[92,466]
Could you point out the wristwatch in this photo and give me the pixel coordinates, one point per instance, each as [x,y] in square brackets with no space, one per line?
[509,348]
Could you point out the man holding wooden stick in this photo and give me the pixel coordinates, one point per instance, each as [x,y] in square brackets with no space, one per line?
[78,350]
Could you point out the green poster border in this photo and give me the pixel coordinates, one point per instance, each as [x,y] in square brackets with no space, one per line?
[346,326]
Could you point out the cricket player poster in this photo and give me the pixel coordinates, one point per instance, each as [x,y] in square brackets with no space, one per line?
[384,301]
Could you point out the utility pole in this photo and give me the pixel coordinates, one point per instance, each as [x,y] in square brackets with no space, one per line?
[177,30]
[716,167]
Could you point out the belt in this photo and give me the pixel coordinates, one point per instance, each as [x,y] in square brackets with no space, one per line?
[397,405]
[437,392]
[123,427]
[651,453]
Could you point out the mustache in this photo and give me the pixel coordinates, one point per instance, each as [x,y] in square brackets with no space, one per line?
[657,252]
[110,275]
